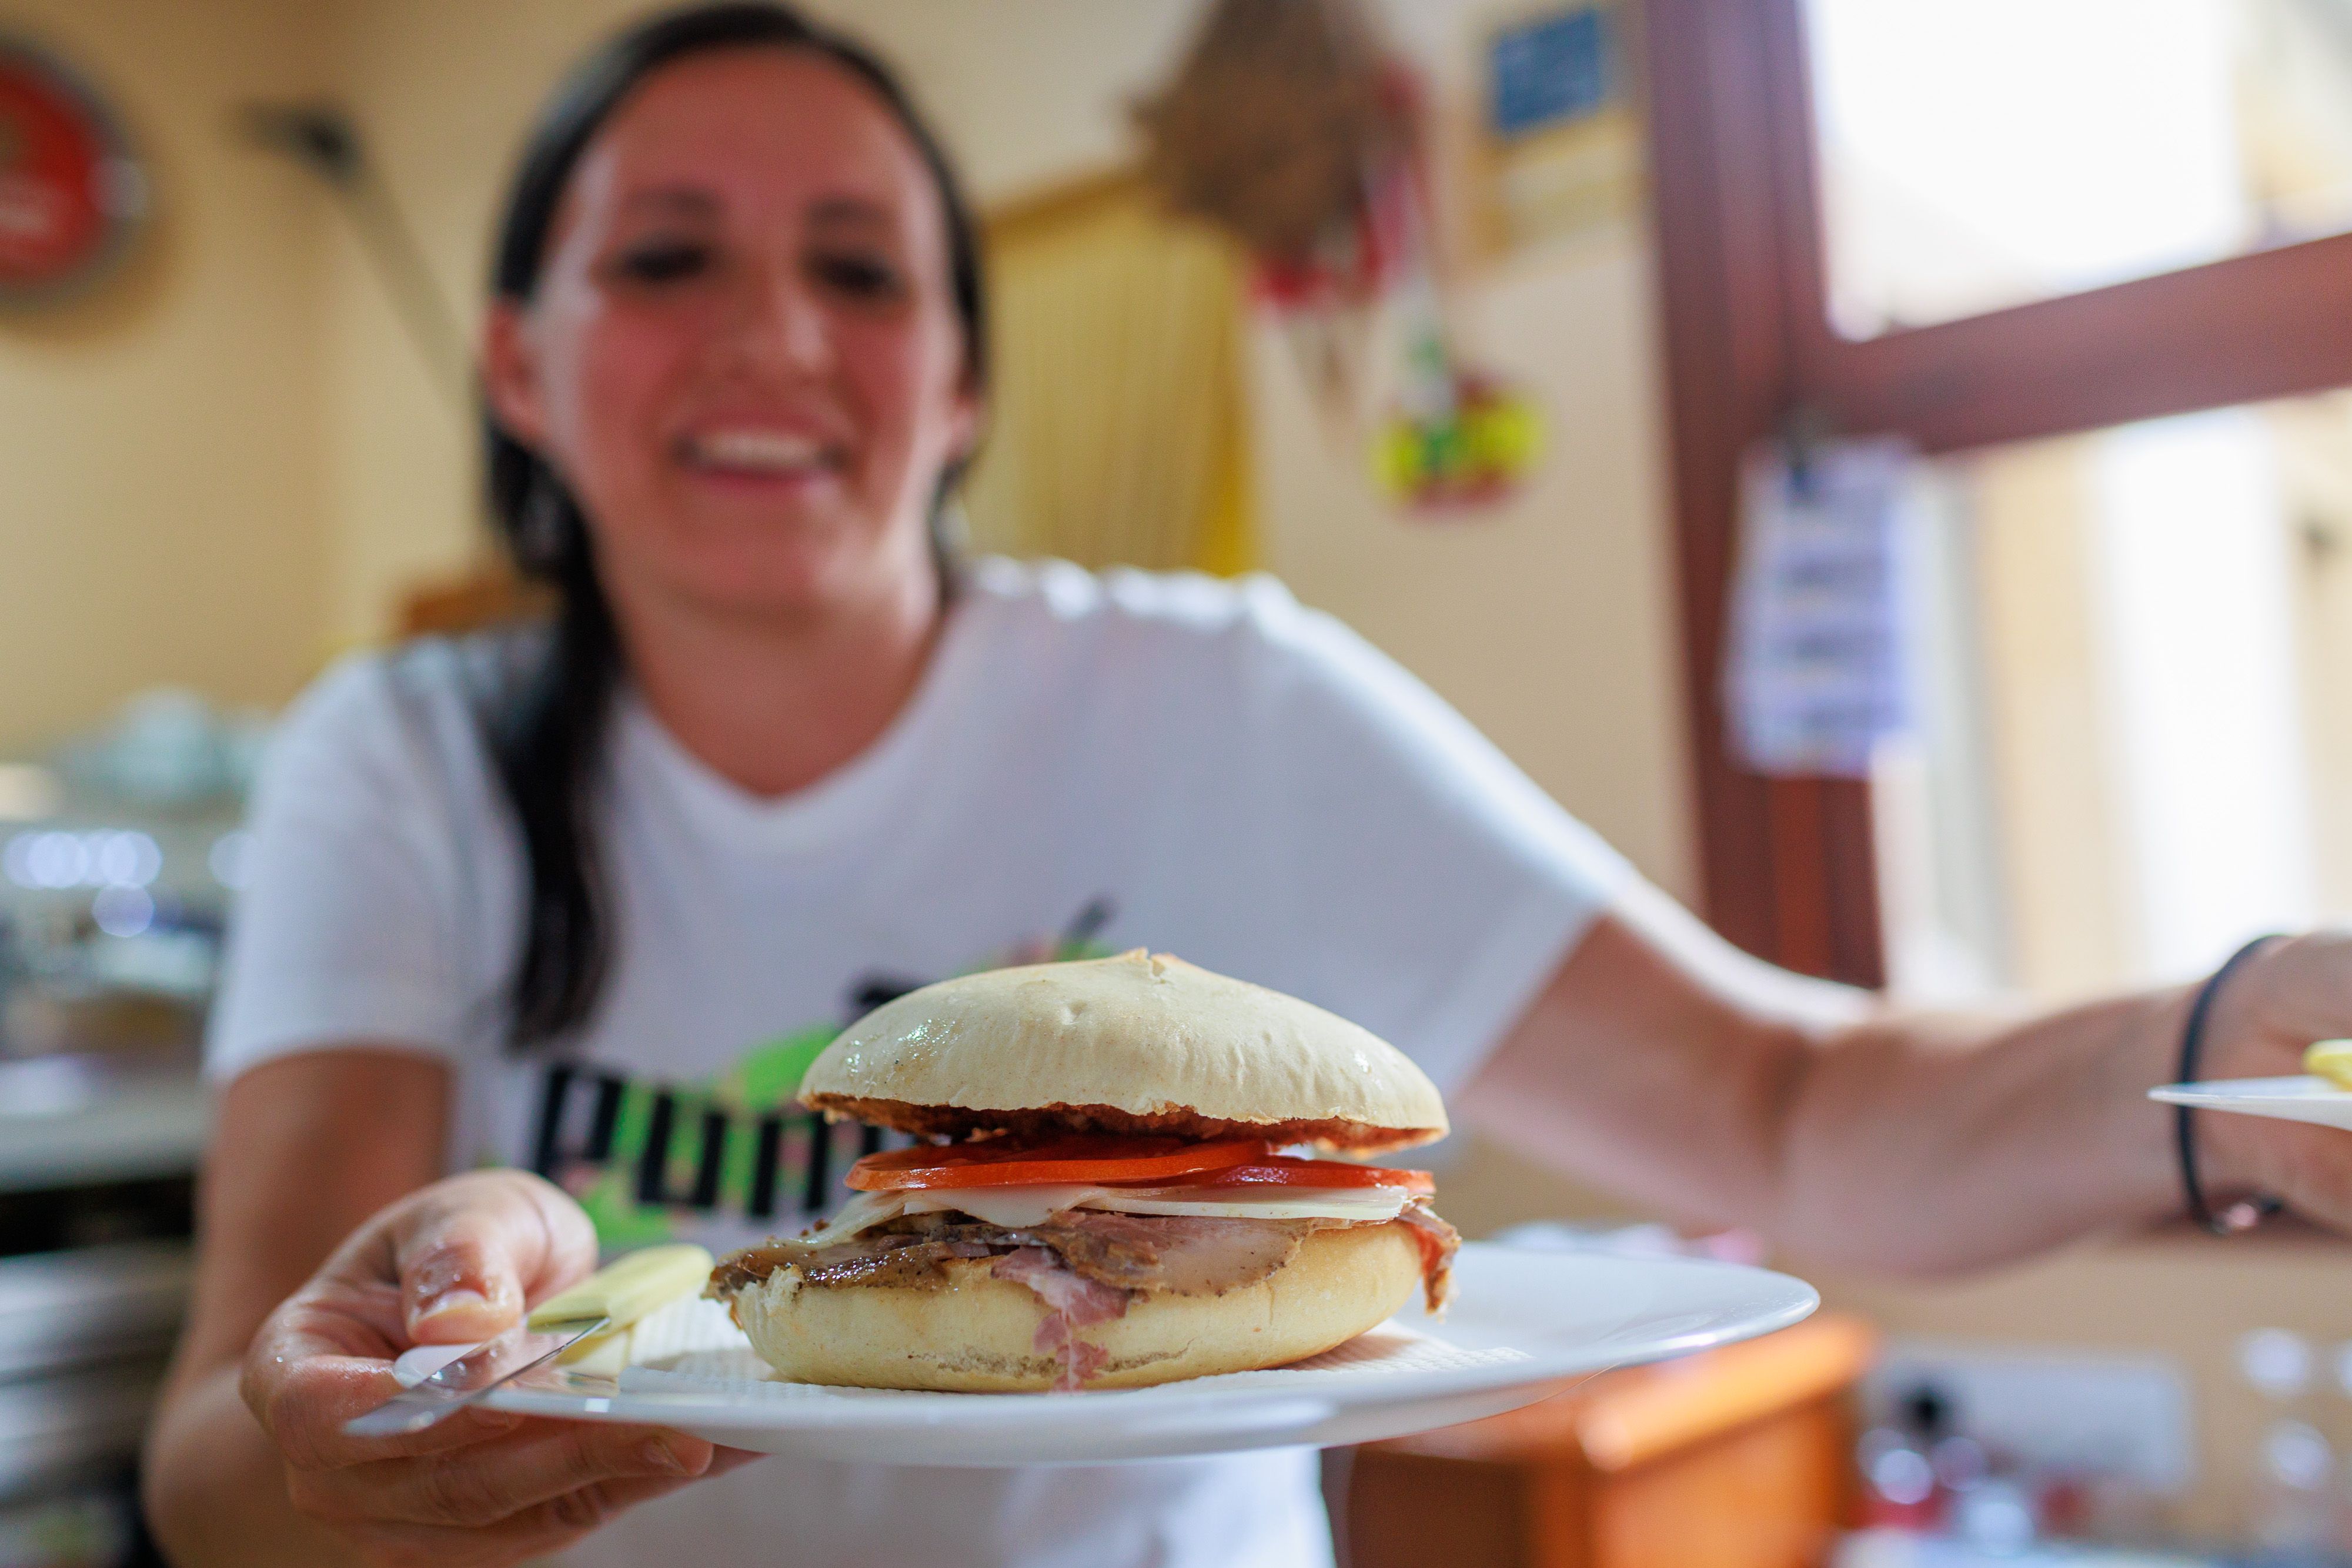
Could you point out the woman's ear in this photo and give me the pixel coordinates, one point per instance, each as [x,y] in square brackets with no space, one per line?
[510,373]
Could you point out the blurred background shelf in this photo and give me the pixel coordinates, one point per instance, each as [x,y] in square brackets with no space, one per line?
[64,1124]
[75,1307]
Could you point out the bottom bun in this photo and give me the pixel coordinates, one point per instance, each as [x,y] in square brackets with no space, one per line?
[978,1333]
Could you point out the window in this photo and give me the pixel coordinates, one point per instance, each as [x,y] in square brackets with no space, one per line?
[2136,751]
[1977,361]
[1978,156]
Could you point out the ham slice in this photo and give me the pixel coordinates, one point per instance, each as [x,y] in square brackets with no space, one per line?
[1072,1302]
[1081,1301]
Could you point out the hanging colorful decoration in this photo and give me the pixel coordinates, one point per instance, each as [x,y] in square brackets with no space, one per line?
[1456,438]
[70,193]
[1291,128]
[1469,450]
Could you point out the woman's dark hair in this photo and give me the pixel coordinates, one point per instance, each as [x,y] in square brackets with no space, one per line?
[547,735]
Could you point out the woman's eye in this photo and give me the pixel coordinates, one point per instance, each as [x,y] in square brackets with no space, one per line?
[861,276]
[667,263]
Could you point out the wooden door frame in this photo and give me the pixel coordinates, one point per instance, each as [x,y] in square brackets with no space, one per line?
[1787,869]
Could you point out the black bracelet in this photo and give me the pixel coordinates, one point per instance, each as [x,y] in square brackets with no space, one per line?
[2245,1213]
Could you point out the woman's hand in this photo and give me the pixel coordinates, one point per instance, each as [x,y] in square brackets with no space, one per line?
[454,1262]
[2275,1004]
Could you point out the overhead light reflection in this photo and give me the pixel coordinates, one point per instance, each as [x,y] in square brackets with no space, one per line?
[58,860]
[122,911]
[231,859]
[129,859]
[16,859]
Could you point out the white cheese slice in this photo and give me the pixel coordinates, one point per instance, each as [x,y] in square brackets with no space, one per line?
[863,1211]
[1014,1207]
[1368,1203]
[1017,1207]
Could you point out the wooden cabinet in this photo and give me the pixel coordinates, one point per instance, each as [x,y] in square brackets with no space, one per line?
[1739,1458]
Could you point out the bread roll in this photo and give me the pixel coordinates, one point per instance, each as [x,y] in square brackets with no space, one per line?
[978,1333]
[1141,1043]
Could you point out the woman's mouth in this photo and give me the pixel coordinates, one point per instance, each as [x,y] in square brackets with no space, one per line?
[766,458]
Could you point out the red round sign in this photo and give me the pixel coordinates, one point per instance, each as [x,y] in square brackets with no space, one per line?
[68,189]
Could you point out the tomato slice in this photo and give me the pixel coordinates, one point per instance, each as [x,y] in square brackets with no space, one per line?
[1094,1161]
[1288,1170]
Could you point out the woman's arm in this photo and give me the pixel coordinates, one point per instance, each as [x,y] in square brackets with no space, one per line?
[325,1248]
[1667,1064]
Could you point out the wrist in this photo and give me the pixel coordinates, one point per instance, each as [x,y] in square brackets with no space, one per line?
[2220,1165]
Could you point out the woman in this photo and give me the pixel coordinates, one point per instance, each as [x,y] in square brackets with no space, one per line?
[583,901]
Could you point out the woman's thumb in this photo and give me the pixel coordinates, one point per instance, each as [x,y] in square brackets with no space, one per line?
[469,1262]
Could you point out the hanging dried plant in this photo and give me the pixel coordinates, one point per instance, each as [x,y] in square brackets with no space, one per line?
[1274,121]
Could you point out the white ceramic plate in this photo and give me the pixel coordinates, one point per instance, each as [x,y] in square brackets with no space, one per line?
[1521,1322]
[2301,1098]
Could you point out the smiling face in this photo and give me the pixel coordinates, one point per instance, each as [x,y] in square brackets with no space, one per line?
[743,355]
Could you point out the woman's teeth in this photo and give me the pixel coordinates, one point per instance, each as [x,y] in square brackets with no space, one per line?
[762,452]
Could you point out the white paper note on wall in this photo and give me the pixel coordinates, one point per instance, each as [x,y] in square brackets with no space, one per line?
[1819,666]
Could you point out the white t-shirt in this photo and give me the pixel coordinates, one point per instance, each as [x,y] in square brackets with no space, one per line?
[1091,763]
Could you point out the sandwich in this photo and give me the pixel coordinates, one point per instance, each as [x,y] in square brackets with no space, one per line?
[1099,1196]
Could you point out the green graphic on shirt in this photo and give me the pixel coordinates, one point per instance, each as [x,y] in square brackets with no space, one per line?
[623,1223]
[728,1112]
[770,1074]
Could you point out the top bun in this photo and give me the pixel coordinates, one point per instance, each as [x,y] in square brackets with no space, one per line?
[1140,1044]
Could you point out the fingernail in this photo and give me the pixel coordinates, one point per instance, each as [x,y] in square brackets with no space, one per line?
[662,1457]
[458,1299]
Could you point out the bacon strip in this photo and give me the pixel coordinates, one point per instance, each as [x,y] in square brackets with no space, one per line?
[1079,1360]
[1439,1243]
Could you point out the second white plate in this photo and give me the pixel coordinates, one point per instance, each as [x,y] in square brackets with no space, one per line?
[2302,1098]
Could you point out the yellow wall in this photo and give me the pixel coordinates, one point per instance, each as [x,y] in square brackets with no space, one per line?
[1546,620]
[157,458]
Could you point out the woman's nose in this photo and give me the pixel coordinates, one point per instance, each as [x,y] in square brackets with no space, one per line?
[782,325]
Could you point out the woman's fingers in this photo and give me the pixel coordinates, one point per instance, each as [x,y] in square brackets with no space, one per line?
[492,1239]
[302,1402]
[480,1248]
[309,1429]
[500,1479]
[456,1262]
